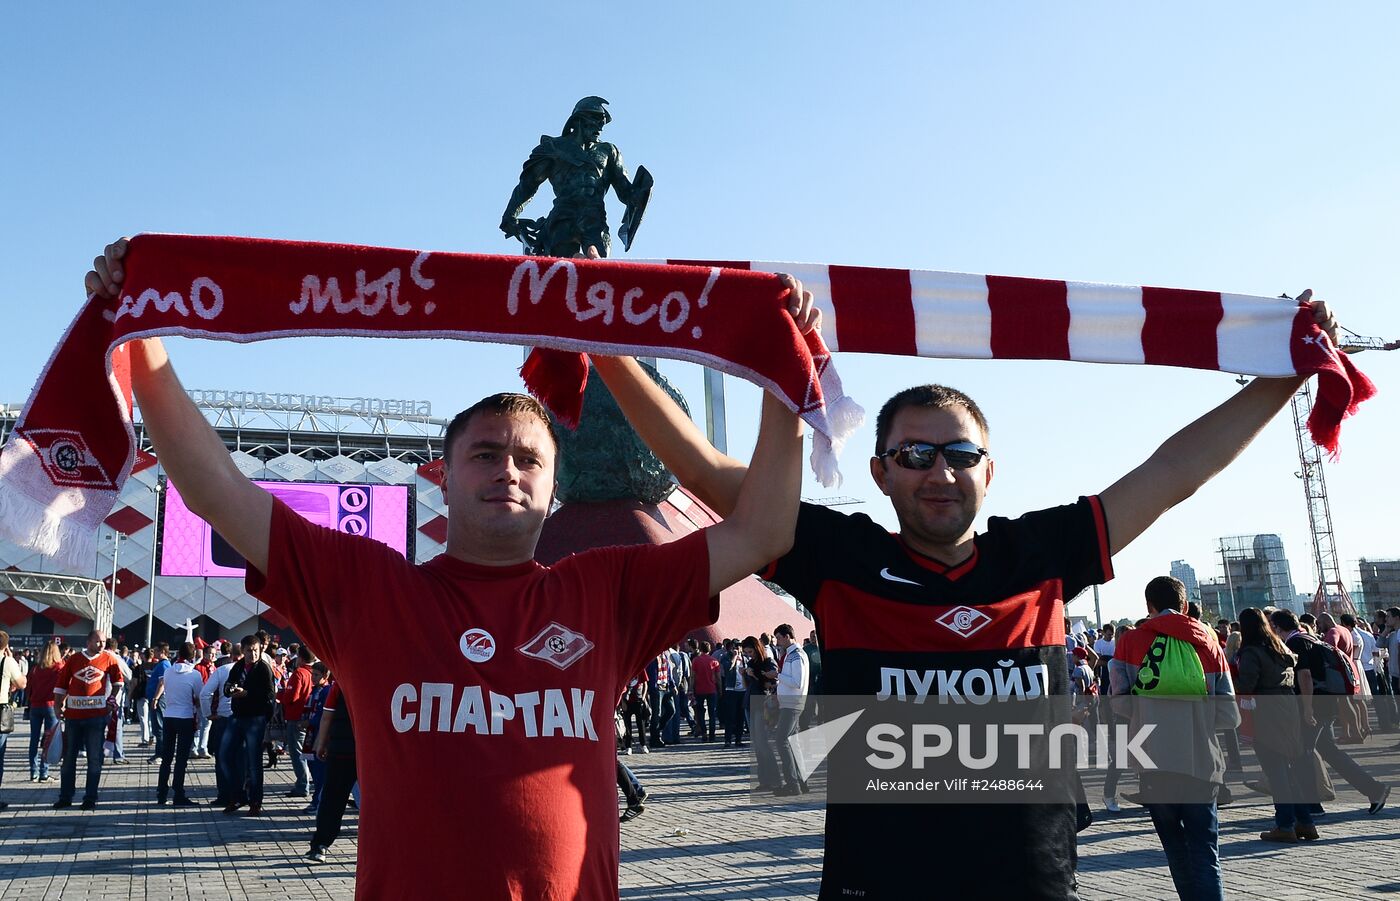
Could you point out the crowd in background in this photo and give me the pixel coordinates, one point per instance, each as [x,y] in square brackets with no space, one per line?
[710,689]
[1291,689]
[243,706]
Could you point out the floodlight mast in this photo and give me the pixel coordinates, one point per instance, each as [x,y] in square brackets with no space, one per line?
[1331,595]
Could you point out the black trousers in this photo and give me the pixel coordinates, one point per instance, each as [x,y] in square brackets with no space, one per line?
[636,710]
[705,715]
[340,779]
[731,707]
[662,715]
[175,746]
[216,738]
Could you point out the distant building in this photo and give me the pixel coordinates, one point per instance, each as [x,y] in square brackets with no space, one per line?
[1380,584]
[1255,573]
[1186,574]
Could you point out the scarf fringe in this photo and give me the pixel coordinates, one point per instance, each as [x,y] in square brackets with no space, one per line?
[557,379]
[71,543]
[843,418]
[1339,394]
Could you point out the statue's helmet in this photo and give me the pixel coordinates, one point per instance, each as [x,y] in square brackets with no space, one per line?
[588,105]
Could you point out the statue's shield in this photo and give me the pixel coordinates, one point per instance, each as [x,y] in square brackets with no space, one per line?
[632,219]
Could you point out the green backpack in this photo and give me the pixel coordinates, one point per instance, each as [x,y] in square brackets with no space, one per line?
[1171,669]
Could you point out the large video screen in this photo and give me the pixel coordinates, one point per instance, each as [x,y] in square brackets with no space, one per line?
[190,547]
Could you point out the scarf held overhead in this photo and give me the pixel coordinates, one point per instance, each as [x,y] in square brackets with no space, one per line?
[74,445]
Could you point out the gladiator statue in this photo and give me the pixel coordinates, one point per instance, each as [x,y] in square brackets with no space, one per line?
[580,168]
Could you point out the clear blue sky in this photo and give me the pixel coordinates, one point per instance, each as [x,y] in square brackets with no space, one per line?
[1242,147]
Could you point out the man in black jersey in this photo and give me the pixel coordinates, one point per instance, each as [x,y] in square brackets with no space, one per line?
[911,613]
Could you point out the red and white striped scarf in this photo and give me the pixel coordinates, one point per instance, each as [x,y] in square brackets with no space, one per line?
[956,315]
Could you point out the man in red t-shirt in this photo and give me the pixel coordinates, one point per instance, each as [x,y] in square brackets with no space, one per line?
[485,773]
[293,697]
[87,679]
[705,675]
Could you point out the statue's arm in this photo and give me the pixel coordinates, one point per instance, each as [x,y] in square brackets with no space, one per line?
[531,177]
[617,176]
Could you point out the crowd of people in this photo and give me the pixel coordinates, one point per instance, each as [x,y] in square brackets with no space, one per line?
[1289,687]
[242,705]
[709,688]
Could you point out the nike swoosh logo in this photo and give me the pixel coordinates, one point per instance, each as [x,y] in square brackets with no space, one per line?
[886,574]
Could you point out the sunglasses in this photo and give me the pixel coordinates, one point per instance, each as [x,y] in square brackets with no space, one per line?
[922,455]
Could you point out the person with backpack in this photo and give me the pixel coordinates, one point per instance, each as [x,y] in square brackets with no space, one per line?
[1267,674]
[1180,684]
[1352,719]
[1324,681]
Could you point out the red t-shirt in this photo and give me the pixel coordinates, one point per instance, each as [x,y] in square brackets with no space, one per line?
[296,693]
[41,684]
[489,763]
[705,671]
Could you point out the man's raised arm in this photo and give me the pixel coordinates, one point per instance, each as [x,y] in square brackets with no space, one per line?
[189,449]
[761,527]
[1194,455]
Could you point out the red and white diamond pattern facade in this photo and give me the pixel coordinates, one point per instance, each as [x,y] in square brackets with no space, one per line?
[222,600]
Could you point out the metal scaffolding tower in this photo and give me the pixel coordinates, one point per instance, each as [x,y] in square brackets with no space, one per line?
[1331,595]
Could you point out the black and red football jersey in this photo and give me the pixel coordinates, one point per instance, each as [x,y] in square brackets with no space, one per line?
[892,622]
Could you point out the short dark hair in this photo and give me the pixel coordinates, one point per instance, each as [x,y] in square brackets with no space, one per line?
[1347,620]
[1392,611]
[785,629]
[1193,610]
[1166,593]
[934,397]
[304,654]
[187,650]
[504,404]
[1284,619]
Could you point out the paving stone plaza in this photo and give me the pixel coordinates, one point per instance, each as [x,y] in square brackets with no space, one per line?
[703,836]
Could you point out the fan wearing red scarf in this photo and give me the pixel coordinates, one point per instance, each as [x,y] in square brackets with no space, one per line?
[485,777]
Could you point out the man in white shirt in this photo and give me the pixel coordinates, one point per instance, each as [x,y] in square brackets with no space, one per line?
[1363,645]
[12,679]
[792,697]
[1104,645]
[182,687]
[1391,642]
